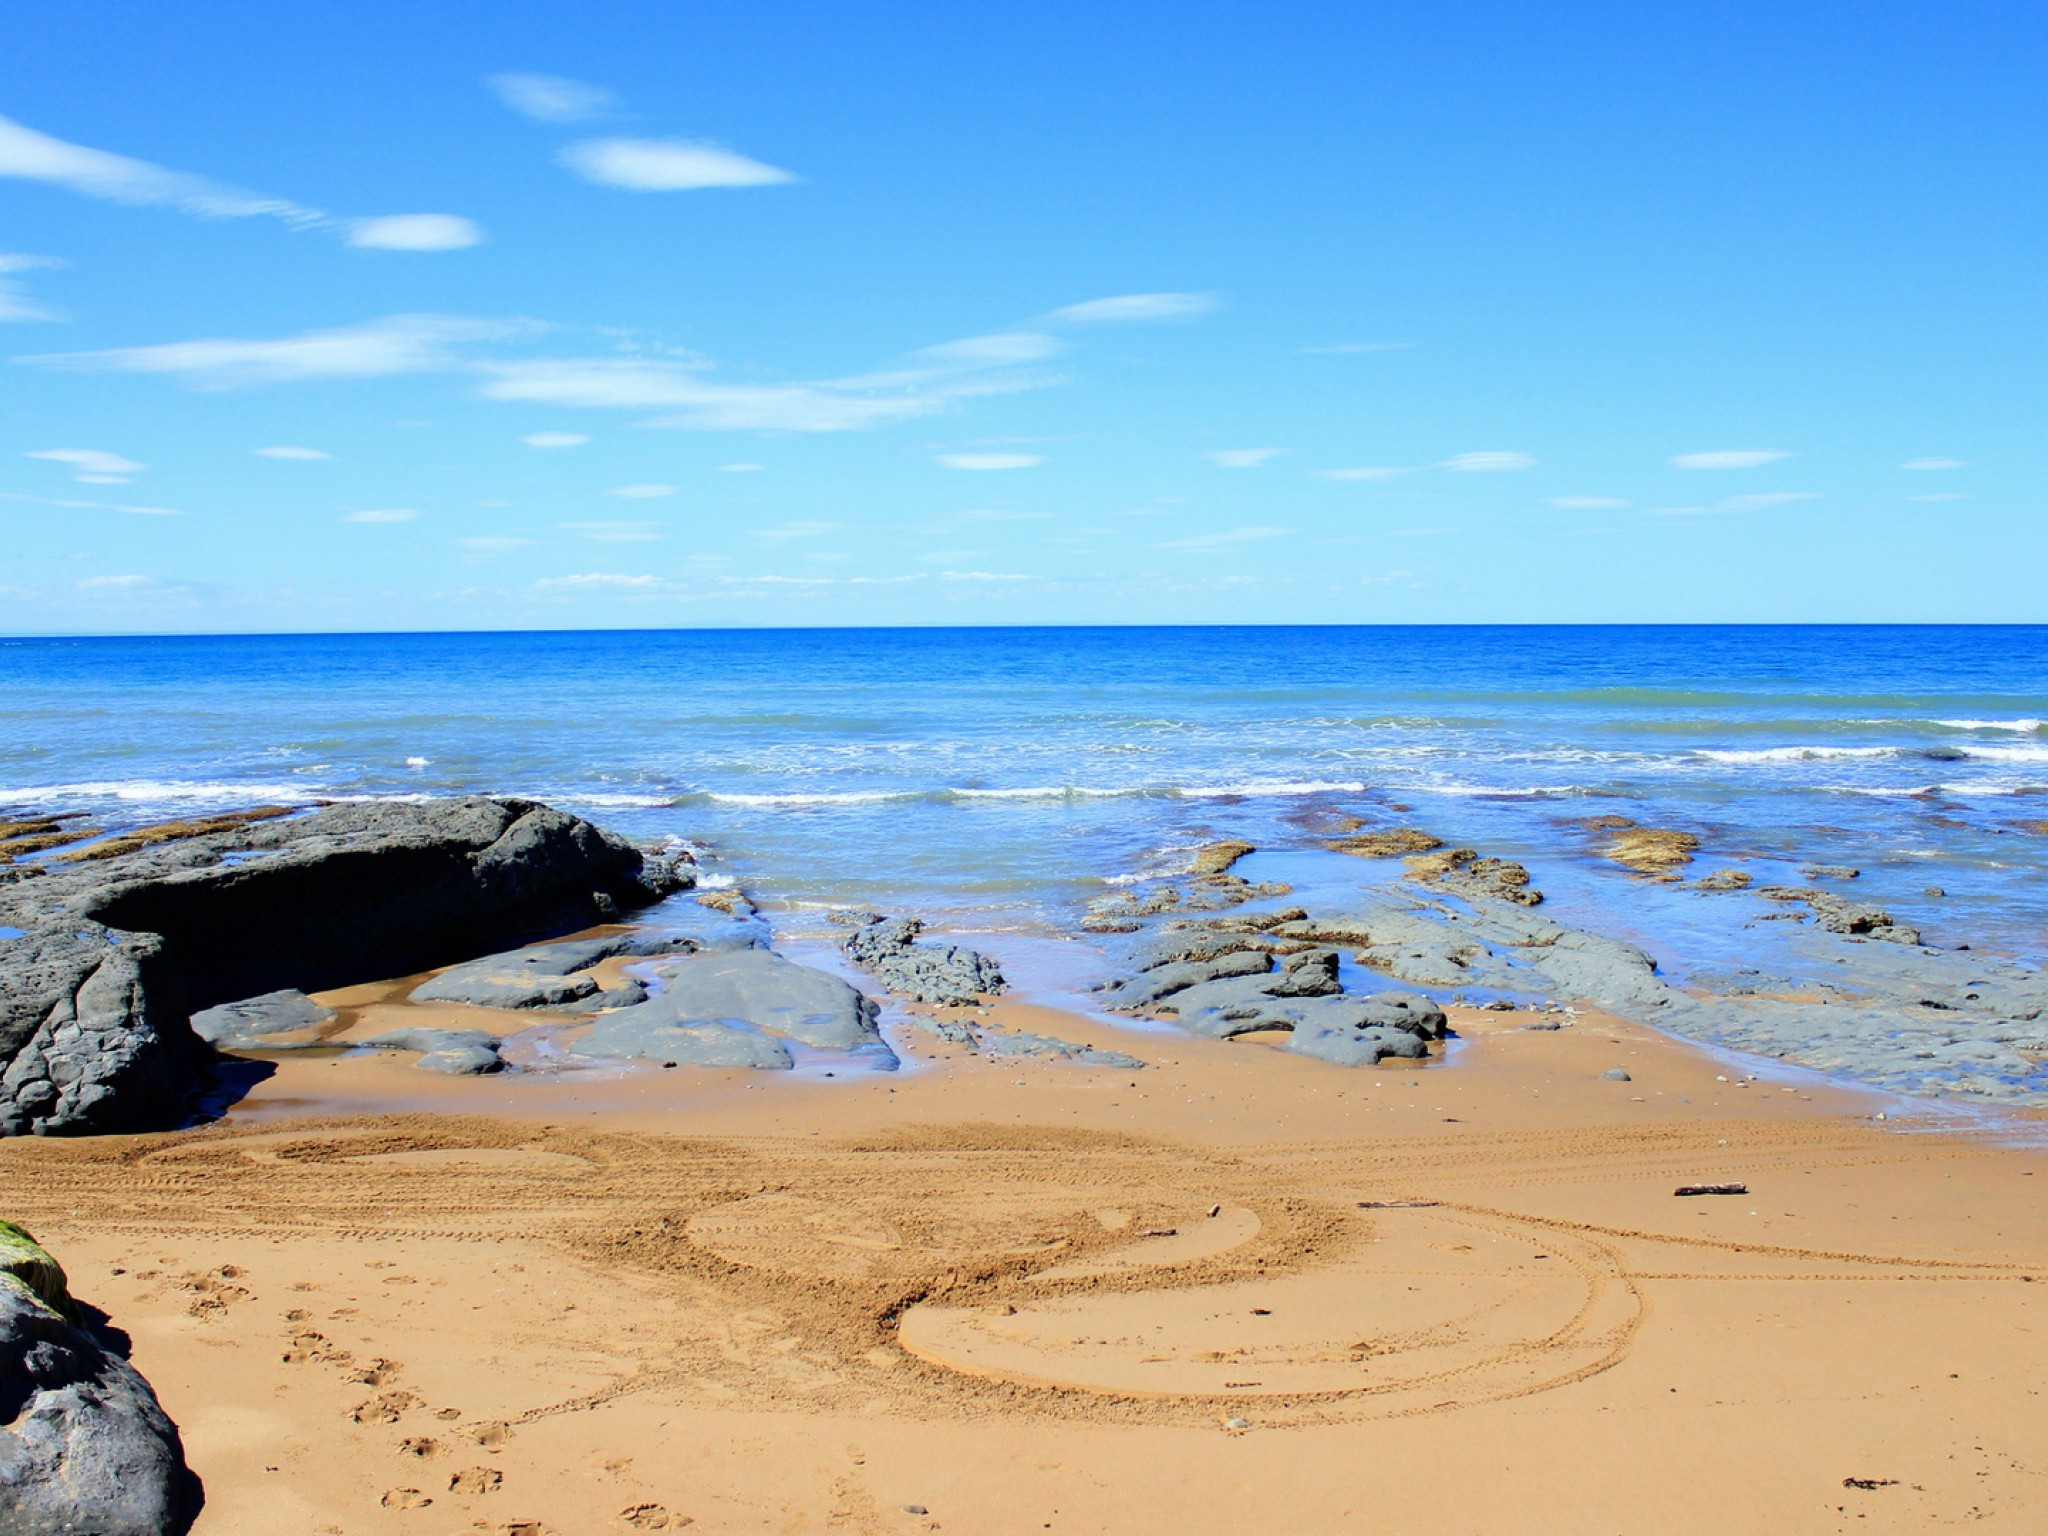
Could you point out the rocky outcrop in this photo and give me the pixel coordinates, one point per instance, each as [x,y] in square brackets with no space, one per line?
[888,948]
[461,1052]
[262,1023]
[85,1448]
[96,994]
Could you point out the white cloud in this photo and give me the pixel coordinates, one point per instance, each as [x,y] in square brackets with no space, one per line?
[1225,539]
[100,583]
[615,532]
[554,439]
[1135,306]
[15,304]
[990,460]
[740,469]
[1241,458]
[805,529]
[1586,503]
[92,466]
[599,581]
[382,515]
[374,349]
[1000,347]
[415,232]
[1488,463]
[32,156]
[552,98]
[1940,496]
[666,165]
[1361,472]
[1728,458]
[90,506]
[641,492]
[1936,464]
[1354,348]
[286,451]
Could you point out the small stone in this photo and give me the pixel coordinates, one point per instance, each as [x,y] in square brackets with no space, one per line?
[1237,1423]
[915,1509]
[1616,1075]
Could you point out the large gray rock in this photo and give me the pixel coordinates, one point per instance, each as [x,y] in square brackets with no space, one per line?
[1046,1047]
[95,998]
[947,974]
[85,1448]
[92,1033]
[256,1022]
[1164,980]
[725,1009]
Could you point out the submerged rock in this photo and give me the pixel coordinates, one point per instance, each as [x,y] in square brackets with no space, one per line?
[1019,1043]
[947,974]
[95,999]
[85,1448]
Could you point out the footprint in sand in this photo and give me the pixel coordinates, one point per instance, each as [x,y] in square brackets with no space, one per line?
[405,1498]
[653,1517]
[384,1408]
[476,1480]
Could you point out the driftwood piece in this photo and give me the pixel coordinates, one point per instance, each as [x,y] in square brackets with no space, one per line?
[1711,1189]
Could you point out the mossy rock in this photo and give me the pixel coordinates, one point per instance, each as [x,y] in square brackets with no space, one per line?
[28,1264]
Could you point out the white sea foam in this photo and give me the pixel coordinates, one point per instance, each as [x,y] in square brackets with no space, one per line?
[619,802]
[1258,787]
[844,797]
[145,791]
[2026,724]
[1043,792]
[418,762]
[1789,754]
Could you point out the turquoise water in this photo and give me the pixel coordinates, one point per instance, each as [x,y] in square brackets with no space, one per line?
[996,779]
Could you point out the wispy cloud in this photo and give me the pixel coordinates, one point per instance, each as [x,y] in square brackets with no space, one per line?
[808,528]
[1135,306]
[552,98]
[1362,472]
[1729,458]
[990,460]
[1936,464]
[925,383]
[495,544]
[1227,538]
[1940,496]
[1355,348]
[599,581]
[382,515]
[415,232]
[641,492]
[288,451]
[90,506]
[741,469]
[1488,463]
[667,165]
[32,156]
[1242,458]
[92,466]
[15,304]
[1586,503]
[376,349]
[554,439]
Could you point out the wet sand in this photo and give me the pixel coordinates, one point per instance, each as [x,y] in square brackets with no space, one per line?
[1236,1291]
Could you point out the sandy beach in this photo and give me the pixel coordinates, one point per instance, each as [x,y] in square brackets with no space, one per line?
[1235,1291]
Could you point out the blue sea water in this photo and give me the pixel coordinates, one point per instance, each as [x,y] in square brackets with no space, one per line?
[997,779]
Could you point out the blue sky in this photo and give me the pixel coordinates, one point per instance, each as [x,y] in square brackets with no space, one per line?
[479,316]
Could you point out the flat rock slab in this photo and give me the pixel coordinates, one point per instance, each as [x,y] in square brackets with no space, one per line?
[547,976]
[256,1022]
[86,1447]
[725,1010]
[1048,1048]
[462,1052]
[926,972]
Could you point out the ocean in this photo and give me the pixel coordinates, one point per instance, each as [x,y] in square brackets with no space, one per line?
[998,780]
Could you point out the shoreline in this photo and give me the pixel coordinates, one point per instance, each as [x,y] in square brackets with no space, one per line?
[644,1291]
